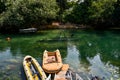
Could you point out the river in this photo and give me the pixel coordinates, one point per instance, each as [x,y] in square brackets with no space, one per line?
[88,52]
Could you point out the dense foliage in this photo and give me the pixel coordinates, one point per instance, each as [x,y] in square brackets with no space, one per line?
[100,13]
[16,14]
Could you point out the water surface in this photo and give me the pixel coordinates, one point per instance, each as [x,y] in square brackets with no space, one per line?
[88,52]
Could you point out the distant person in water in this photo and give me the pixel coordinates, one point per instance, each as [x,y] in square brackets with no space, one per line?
[8,38]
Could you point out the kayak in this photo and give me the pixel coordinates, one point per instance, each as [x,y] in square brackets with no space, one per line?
[32,69]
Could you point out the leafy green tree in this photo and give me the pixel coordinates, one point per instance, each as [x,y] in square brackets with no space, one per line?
[63,5]
[116,14]
[78,13]
[25,13]
[101,12]
[2,6]
[93,12]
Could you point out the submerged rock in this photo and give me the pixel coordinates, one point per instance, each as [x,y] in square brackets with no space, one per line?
[12,61]
[10,67]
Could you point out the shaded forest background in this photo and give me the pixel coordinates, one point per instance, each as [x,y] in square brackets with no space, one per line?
[18,14]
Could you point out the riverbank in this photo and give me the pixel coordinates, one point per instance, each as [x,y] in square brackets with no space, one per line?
[57,25]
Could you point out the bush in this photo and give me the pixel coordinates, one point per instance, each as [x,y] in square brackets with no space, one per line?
[25,13]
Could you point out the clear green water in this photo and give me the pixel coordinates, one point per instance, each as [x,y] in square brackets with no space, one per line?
[88,52]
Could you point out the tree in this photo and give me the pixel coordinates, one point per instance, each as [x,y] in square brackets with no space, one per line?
[2,6]
[63,5]
[78,13]
[93,12]
[116,14]
[101,12]
[25,13]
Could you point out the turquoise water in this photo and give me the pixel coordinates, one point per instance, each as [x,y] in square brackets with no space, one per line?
[88,52]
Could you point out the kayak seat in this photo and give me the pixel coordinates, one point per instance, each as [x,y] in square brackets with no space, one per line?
[35,73]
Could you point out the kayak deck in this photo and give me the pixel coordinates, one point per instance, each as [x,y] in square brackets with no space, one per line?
[32,69]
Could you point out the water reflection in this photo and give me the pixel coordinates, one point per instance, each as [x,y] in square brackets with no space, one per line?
[72,57]
[74,52]
[9,65]
[98,68]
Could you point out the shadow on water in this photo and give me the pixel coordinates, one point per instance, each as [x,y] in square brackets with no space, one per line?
[23,75]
